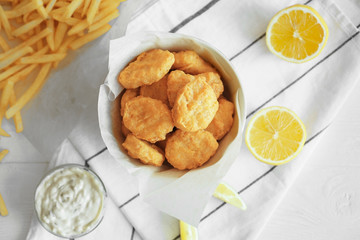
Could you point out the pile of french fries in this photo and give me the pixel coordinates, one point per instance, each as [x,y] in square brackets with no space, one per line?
[35,37]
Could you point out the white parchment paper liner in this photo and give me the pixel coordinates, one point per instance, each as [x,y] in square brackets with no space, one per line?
[181,194]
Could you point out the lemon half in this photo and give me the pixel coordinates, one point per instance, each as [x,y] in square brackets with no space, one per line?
[297,34]
[275,135]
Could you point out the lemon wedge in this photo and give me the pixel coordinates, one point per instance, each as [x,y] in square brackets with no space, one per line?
[297,34]
[229,195]
[275,135]
[188,232]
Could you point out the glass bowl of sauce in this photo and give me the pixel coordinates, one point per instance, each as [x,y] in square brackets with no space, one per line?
[70,201]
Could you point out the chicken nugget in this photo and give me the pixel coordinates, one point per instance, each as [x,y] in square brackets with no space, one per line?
[191,63]
[189,150]
[223,120]
[177,80]
[149,67]
[148,119]
[124,130]
[146,152]
[195,106]
[213,79]
[157,90]
[128,94]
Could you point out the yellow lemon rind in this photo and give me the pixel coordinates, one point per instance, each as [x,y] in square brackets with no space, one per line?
[187,231]
[263,112]
[288,9]
[233,198]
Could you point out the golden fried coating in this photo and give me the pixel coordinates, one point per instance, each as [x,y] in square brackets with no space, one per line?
[128,94]
[149,67]
[124,130]
[213,79]
[191,63]
[195,106]
[189,150]
[223,120]
[148,118]
[146,152]
[176,80]
[157,90]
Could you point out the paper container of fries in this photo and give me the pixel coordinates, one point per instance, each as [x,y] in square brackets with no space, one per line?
[182,194]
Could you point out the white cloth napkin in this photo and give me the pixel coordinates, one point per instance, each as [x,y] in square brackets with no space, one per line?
[314,90]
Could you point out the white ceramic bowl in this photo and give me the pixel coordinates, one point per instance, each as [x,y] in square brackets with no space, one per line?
[165,181]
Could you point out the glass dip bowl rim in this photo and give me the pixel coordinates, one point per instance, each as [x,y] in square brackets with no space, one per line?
[84,168]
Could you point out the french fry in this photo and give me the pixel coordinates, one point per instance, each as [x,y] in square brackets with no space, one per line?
[70,9]
[17,12]
[30,92]
[50,37]
[43,58]
[61,4]
[5,23]
[2,155]
[85,8]
[110,3]
[93,8]
[19,72]
[15,56]
[4,103]
[82,25]
[36,37]
[60,33]
[69,21]
[28,42]
[10,71]
[19,5]
[27,27]
[20,75]
[3,209]
[89,37]
[104,21]
[5,97]
[3,44]
[39,44]
[40,8]
[2,113]
[64,47]
[50,6]
[4,133]
[19,127]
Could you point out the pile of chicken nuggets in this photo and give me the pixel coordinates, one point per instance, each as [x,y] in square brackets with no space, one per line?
[173,109]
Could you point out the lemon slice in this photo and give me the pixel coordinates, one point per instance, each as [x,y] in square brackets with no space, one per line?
[188,232]
[275,135]
[3,210]
[227,194]
[297,34]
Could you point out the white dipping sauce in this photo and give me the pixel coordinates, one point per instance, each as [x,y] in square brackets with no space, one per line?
[69,201]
